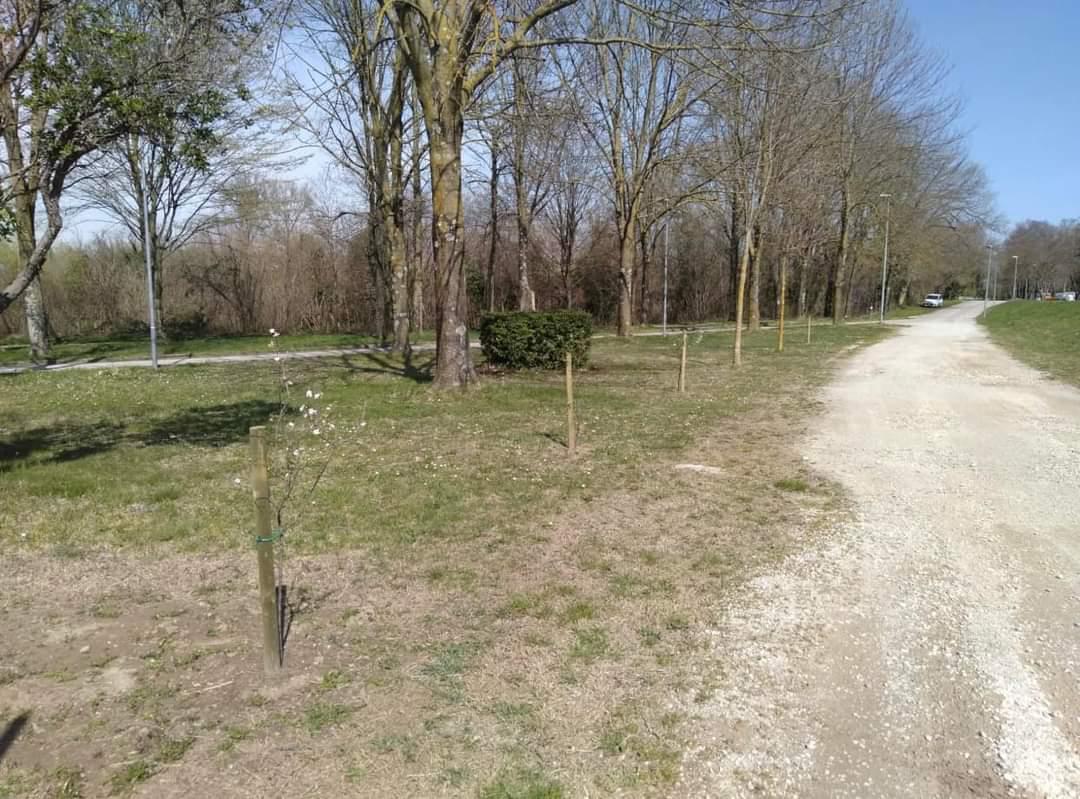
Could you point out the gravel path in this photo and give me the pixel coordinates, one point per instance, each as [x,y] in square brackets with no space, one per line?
[931,647]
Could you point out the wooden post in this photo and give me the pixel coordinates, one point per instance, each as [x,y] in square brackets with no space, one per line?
[264,551]
[682,366]
[571,427]
[809,319]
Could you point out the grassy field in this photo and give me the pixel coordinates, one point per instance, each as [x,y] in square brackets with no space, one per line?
[1043,334]
[472,613]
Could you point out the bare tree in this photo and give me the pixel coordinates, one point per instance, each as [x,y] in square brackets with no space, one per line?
[356,95]
[452,47]
[643,92]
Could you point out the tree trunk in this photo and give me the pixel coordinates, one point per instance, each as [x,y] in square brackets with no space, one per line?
[399,290]
[453,361]
[740,296]
[493,233]
[646,263]
[834,300]
[627,248]
[520,132]
[804,277]
[734,251]
[376,251]
[755,280]
[159,287]
[781,302]
[526,296]
[37,322]
[416,268]
[566,263]
[393,209]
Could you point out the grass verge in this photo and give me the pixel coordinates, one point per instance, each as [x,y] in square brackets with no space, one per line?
[1045,335]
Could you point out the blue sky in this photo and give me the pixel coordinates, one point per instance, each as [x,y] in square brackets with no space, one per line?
[1017,65]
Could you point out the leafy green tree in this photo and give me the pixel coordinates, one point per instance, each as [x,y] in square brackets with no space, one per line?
[77,77]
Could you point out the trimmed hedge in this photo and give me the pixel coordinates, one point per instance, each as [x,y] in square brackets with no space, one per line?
[535,339]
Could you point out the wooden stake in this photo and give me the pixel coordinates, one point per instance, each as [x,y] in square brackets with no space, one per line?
[571,427]
[264,551]
[682,366]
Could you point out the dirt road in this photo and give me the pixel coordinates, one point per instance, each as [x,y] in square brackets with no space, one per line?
[931,647]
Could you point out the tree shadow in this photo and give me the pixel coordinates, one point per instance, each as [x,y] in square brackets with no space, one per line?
[556,438]
[383,365]
[65,442]
[12,731]
[213,426]
[205,426]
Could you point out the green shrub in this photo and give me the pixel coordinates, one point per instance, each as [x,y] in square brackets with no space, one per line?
[535,339]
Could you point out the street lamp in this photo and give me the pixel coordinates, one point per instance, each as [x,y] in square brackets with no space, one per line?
[149,268]
[885,256]
[986,288]
[1016,266]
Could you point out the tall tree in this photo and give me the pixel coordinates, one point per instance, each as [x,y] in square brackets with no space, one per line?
[356,92]
[77,79]
[643,92]
[452,47]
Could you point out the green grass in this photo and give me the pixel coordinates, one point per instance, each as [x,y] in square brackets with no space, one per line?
[793,484]
[590,643]
[522,784]
[1045,335]
[132,774]
[321,715]
[130,458]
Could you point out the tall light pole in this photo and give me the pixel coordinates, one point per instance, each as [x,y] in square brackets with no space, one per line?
[1016,267]
[986,288]
[149,268]
[885,255]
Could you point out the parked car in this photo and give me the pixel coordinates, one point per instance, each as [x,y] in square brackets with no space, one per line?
[933,301]
[1065,296]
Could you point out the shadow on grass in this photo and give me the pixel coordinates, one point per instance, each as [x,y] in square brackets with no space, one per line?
[383,365]
[205,426]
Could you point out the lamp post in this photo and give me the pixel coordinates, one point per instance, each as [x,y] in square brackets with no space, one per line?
[986,288]
[1016,267]
[885,256]
[149,269]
